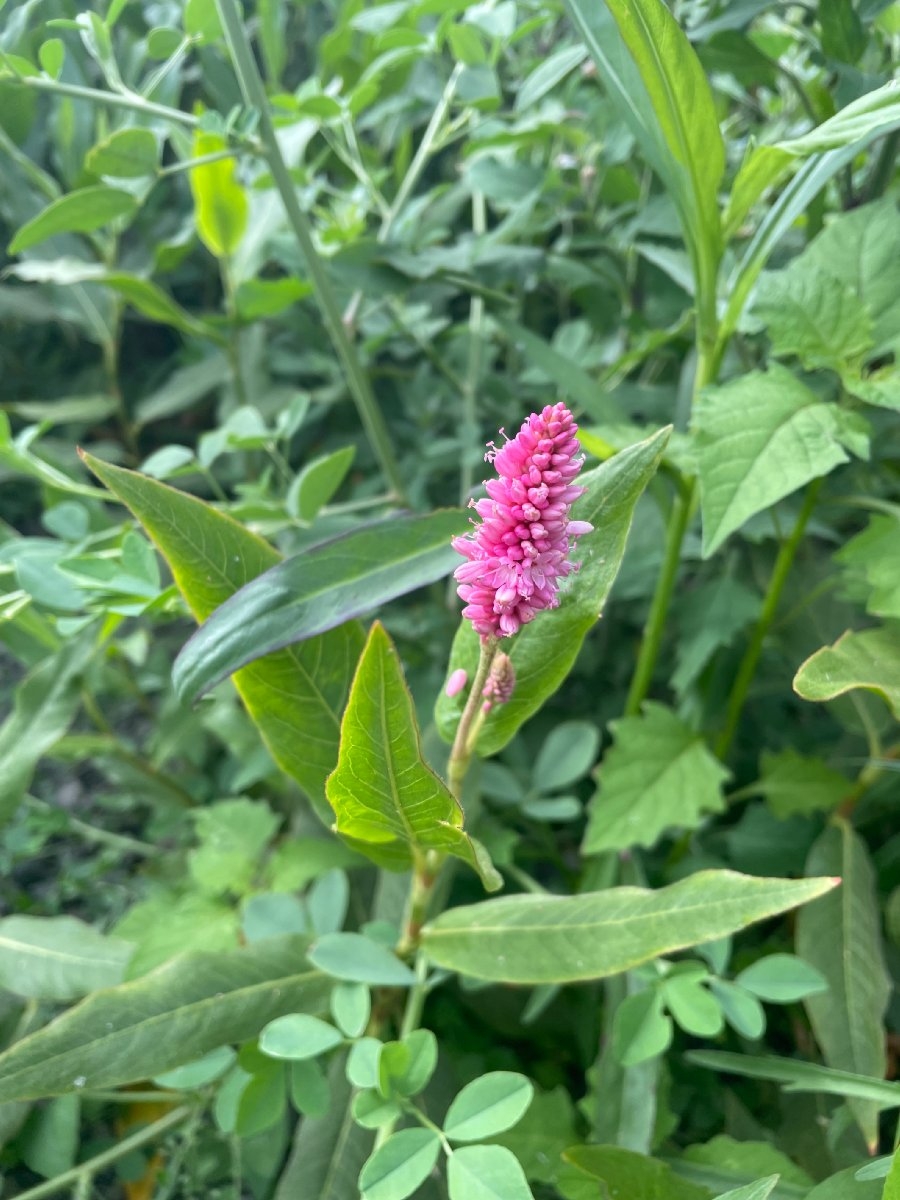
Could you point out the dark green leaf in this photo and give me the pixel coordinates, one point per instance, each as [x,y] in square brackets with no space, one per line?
[81,211]
[125,154]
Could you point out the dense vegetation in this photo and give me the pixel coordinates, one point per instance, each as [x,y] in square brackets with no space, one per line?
[280,271]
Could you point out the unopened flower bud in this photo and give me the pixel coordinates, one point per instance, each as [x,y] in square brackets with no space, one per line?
[456,682]
[501,682]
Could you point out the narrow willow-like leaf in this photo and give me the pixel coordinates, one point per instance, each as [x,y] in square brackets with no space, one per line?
[562,939]
[296,696]
[58,958]
[386,798]
[172,1016]
[544,651]
[317,590]
[668,104]
[868,660]
[797,1076]
[840,936]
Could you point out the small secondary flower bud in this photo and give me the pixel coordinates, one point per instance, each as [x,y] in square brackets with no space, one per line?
[456,682]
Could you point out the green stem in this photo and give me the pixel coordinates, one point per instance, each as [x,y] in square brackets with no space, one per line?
[254,94]
[469,722]
[101,1161]
[101,837]
[108,99]
[709,355]
[679,518]
[747,669]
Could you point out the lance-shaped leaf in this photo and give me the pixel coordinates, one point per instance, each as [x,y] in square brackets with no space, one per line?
[544,651]
[563,939]
[869,660]
[58,958]
[317,590]
[172,1016]
[387,800]
[840,935]
[294,697]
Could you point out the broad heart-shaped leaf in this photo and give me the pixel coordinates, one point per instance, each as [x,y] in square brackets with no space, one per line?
[386,798]
[840,936]
[58,958]
[870,660]
[758,439]
[563,939]
[544,651]
[813,315]
[628,1174]
[295,697]
[45,705]
[82,211]
[658,775]
[172,1016]
[316,590]
[655,79]
[220,203]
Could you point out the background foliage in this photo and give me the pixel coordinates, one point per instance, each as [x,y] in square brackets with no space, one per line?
[301,261]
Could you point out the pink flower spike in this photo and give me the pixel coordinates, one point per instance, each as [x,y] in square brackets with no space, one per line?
[519,551]
[456,682]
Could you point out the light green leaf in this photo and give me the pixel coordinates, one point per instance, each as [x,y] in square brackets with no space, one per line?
[45,705]
[695,1009]
[758,439]
[257,298]
[658,775]
[317,590]
[782,979]
[170,1017]
[124,154]
[858,123]
[840,935]
[870,660]
[165,926]
[58,958]
[870,559]
[81,211]
[568,753]
[488,1106]
[745,1160]
[547,74]
[640,1030]
[296,696]
[328,1150]
[310,1093]
[298,1036]
[762,168]
[668,104]
[845,1186]
[355,957]
[351,1007]
[486,1173]
[386,798]
[49,1143]
[317,483]
[761,1190]
[793,784]
[741,1010]
[221,207]
[892,1183]
[52,55]
[233,835]
[561,939]
[400,1165]
[626,1173]
[797,1076]
[813,315]
[543,651]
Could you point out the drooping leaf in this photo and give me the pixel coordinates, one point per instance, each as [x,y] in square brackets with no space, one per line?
[81,211]
[547,74]
[317,590]
[58,958]
[840,936]
[658,775]
[869,660]
[386,798]
[296,696]
[170,1017]
[221,207]
[45,705]
[560,939]
[543,652]
[758,439]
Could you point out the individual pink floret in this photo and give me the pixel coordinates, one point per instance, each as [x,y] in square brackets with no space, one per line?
[518,553]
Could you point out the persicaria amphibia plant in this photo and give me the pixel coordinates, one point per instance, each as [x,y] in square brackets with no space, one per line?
[519,552]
